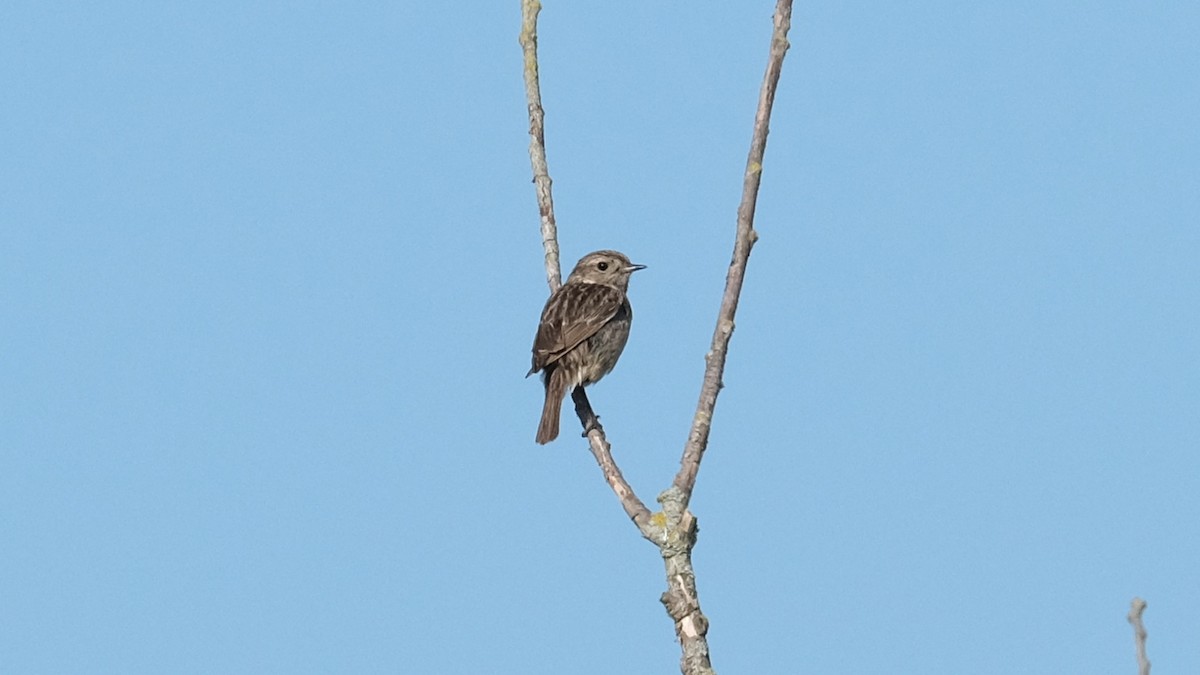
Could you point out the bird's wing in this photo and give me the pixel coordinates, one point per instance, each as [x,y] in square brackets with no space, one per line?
[573,314]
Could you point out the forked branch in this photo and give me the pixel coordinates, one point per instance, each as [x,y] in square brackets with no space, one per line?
[673,530]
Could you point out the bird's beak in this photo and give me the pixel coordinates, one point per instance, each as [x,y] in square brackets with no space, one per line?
[634,268]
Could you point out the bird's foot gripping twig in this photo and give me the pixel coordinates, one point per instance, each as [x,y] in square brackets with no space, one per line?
[583,408]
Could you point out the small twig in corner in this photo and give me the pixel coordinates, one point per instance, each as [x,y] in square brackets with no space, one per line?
[1138,606]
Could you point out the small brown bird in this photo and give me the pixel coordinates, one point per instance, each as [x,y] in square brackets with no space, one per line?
[584,328]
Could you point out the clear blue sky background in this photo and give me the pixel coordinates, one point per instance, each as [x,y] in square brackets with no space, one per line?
[270,272]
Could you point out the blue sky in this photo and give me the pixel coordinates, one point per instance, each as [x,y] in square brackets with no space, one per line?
[270,273]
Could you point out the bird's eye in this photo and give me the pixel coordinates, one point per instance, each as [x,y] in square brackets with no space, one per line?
[602,266]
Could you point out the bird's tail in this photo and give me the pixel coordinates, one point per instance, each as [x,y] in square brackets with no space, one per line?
[552,409]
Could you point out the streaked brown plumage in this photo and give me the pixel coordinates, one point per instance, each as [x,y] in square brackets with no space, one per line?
[583,331]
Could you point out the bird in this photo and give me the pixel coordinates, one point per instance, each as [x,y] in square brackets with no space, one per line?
[583,330]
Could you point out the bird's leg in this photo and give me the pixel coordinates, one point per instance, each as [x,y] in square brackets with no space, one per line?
[583,408]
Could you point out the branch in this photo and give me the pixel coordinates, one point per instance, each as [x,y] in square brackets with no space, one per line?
[1139,634]
[679,525]
[697,441]
[537,141]
[602,451]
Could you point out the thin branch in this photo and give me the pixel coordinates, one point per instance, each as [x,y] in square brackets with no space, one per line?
[602,451]
[1139,634]
[537,141]
[697,441]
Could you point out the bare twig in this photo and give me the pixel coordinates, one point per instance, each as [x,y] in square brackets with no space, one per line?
[602,451]
[1139,634]
[537,141]
[697,441]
